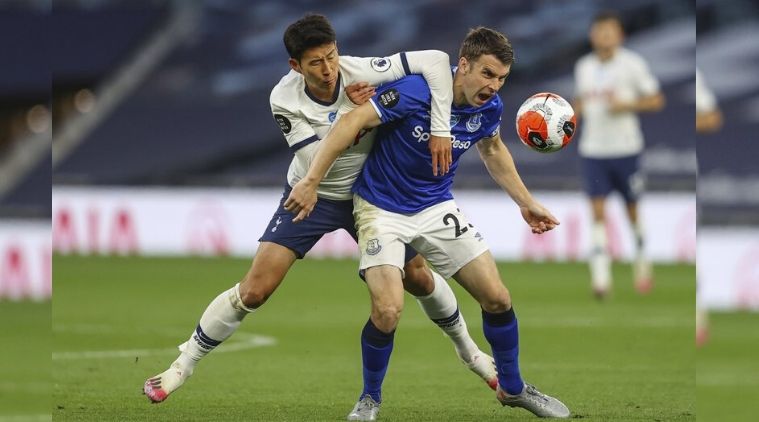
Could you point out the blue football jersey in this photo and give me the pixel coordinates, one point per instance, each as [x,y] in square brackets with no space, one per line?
[397,176]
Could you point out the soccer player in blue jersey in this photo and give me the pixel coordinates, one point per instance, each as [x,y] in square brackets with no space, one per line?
[304,103]
[397,201]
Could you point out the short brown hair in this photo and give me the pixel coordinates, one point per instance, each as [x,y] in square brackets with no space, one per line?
[481,40]
[307,32]
[608,15]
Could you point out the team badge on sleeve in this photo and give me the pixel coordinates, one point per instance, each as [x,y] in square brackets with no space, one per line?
[283,123]
[496,131]
[380,64]
[389,98]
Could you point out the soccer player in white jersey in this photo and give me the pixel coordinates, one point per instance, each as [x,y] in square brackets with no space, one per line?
[708,119]
[304,103]
[613,85]
[708,114]
[398,201]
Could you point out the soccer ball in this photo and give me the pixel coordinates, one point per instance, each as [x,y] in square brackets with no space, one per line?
[546,122]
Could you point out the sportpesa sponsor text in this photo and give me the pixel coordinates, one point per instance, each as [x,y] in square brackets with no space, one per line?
[421,136]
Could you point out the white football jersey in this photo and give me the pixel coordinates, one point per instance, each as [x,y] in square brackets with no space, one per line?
[626,77]
[305,120]
[705,100]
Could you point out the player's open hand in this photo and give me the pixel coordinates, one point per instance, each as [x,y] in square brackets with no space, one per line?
[301,201]
[539,218]
[359,92]
[442,157]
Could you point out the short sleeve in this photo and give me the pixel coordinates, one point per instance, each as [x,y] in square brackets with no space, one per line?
[705,100]
[376,70]
[645,82]
[494,120]
[296,129]
[577,75]
[401,98]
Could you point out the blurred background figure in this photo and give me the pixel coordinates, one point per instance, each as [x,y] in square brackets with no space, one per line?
[708,114]
[708,119]
[728,235]
[25,209]
[613,85]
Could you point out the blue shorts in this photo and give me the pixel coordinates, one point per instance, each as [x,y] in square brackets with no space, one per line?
[603,175]
[328,215]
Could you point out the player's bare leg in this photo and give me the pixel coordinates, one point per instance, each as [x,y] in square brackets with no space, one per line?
[599,261]
[386,292]
[222,317]
[481,279]
[642,269]
[702,327]
[440,305]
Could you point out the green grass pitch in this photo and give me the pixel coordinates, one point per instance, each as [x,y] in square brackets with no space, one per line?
[117,321]
[25,386]
[727,373]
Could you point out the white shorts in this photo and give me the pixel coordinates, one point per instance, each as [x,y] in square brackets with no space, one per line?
[440,233]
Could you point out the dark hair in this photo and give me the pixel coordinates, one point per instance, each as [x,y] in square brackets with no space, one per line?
[608,15]
[307,32]
[480,41]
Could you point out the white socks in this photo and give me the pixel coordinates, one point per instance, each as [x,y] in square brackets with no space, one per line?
[600,262]
[220,319]
[441,307]
[641,265]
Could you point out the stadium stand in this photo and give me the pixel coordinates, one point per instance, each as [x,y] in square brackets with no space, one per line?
[202,115]
[728,182]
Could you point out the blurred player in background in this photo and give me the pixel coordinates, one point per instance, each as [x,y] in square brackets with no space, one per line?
[613,85]
[708,114]
[708,119]
[304,104]
[398,200]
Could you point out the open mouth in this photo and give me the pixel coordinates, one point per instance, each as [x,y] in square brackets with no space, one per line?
[483,97]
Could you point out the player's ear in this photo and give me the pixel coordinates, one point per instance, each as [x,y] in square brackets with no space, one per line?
[294,65]
[464,64]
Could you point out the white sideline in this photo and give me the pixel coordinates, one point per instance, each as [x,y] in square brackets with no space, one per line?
[27,418]
[241,341]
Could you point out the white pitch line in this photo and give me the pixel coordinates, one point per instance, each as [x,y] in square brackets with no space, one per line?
[249,341]
[27,418]
[733,378]
[29,387]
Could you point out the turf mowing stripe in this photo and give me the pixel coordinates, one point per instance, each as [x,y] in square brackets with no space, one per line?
[252,341]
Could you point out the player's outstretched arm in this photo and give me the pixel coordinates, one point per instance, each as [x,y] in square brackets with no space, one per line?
[303,198]
[435,67]
[645,104]
[500,165]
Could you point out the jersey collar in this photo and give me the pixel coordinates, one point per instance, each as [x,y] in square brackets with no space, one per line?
[335,94]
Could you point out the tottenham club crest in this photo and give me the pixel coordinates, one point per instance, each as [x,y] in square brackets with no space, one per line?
[474,122]
[380,64]
[373,247]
